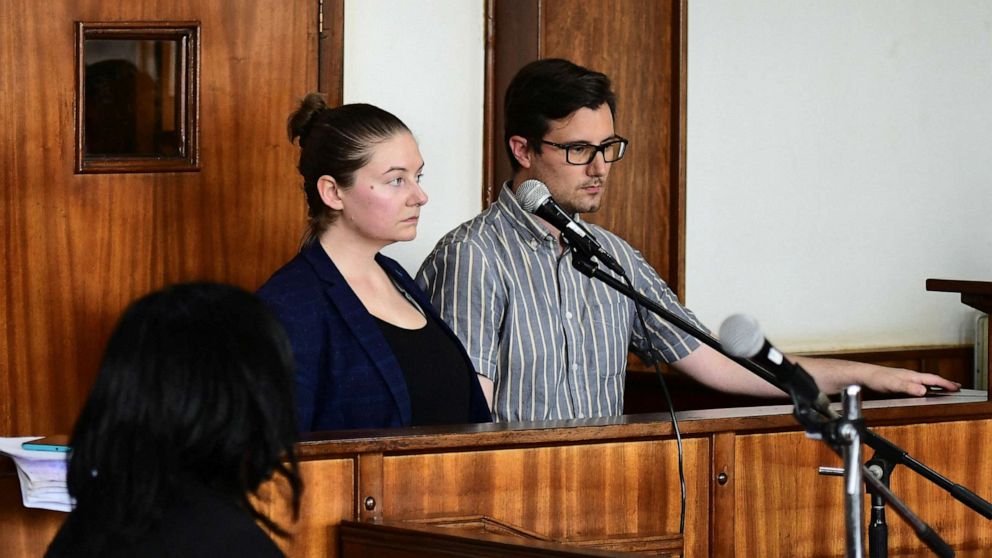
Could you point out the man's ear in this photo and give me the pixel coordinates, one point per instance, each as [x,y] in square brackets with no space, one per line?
[329,192]
[521,150]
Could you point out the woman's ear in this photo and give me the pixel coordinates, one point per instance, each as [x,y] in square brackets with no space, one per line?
[329,192]
[521,150]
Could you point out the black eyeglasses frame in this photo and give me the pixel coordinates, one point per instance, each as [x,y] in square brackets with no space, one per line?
[601,148]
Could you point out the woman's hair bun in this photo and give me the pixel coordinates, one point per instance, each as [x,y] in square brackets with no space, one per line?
[301,122]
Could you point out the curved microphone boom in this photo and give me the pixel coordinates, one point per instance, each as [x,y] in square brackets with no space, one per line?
[534,196]
[741,337]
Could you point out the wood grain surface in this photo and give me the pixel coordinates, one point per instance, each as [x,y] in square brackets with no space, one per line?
[78,248]
[577,482]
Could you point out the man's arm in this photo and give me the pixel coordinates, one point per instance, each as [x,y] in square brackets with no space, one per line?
[832,375]
[710,368]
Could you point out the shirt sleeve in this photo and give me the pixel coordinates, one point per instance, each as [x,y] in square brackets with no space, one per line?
[660,340]
[465,288]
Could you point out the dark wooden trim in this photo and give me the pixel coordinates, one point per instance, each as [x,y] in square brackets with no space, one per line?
[512,40]
[414,540]
[368,488]
[582,462]
[722,461]
[956,286]
[330,52]
[976,294]
[678,175]
[882,354]
[693,424]
[187,33]
[489,126]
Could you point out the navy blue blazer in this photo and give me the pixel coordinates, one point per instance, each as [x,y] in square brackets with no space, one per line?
[347,375]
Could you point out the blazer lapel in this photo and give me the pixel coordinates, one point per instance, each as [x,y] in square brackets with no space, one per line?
[362,325]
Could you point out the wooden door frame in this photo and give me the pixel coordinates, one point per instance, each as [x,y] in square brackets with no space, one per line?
[330,50]
[517,43]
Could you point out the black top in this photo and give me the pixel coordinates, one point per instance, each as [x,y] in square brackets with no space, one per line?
[203,524]
[437,377]
[347,375]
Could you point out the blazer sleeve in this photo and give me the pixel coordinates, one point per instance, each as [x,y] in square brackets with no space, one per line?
[300,313]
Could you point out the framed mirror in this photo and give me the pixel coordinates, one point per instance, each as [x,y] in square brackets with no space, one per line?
[137,97]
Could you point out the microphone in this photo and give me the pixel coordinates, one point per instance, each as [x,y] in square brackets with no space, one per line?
[534,197]
[741,337]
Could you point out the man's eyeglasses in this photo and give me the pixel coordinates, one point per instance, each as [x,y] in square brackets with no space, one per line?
[584,153]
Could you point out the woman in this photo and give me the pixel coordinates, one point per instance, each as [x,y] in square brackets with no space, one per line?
[370,349]
[191,412]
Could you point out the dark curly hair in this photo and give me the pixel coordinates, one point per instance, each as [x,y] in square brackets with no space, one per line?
[335,142]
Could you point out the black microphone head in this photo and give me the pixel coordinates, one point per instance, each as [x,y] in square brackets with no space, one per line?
[531,194]
[740,336]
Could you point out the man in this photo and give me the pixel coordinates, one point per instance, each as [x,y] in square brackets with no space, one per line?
[548,342]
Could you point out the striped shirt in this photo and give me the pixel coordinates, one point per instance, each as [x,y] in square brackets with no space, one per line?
[553,341]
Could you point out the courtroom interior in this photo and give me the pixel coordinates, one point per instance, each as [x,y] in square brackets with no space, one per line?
[821,166]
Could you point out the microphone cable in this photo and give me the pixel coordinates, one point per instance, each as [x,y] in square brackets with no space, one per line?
[671,410]
[668,399]
[530,195]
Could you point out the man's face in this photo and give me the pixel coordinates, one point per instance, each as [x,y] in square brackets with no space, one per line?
[576,188]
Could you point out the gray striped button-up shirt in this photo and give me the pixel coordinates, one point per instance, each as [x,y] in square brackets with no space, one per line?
[553,341]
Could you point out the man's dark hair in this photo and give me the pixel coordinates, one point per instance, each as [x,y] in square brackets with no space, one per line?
[546,90]
[194,392]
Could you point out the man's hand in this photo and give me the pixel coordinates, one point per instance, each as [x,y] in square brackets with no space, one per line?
[833,375]
[899,380]
[711,368]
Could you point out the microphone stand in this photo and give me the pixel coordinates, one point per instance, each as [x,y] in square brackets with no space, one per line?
[812,411]
[848,431]
[878,529]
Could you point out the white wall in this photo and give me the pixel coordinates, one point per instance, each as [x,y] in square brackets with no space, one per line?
[429,71]
[839,153]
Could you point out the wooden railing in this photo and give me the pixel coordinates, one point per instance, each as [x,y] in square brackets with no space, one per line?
[751,480]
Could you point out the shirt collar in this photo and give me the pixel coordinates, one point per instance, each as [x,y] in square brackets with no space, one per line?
[524,222]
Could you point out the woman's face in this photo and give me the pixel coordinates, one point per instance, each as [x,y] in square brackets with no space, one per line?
[383,204]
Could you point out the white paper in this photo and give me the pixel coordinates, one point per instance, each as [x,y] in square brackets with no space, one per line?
[42,475]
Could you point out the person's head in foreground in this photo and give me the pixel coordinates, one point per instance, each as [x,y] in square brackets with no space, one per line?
[191,412]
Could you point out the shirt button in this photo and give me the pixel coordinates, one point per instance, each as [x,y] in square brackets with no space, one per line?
[533,244]
[568,315]
[575,366]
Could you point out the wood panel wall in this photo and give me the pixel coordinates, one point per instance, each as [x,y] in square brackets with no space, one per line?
[778,472]
[78,248]
[641,47]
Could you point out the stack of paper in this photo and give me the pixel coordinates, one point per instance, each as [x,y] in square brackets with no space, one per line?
[42,475]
